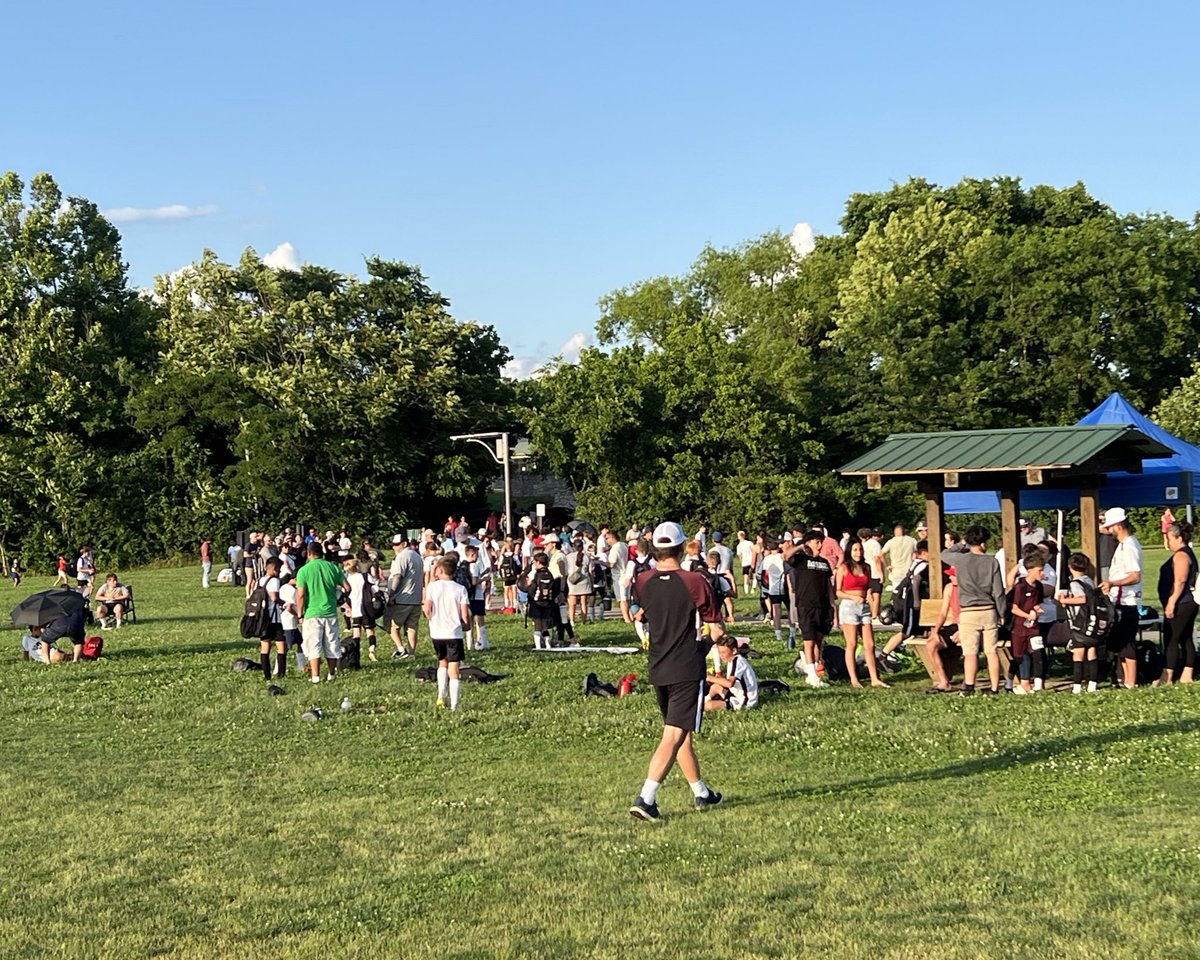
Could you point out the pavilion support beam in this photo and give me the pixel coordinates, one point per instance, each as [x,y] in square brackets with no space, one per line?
[1010,531]
[1089,525]
[936,524]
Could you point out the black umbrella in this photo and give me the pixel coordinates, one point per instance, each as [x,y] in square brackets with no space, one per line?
[48,605]
[581,526]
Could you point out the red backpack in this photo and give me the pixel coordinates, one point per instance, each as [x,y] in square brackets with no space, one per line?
[92,648]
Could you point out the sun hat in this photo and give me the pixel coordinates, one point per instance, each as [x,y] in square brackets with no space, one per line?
[1112,515]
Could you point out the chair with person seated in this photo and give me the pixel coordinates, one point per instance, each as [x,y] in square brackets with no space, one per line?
[130,608]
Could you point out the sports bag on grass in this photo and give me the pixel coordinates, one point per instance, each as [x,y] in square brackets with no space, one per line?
[92,648]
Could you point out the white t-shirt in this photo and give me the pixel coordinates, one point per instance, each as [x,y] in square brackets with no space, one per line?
[33,646]
[1126,560]
[744,693]
[446,599]
[479,570]
[618,557]
[773,567]
[745,552]
[358,583]
[344,544]
[272,587]
[287,597]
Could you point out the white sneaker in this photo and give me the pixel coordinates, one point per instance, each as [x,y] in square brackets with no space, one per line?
[1020,691]
[315,678]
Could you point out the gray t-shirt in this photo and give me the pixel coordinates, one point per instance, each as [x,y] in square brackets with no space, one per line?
[407,577]
[979,583]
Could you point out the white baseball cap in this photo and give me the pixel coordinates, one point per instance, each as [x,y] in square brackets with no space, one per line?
[1112,515]
[668,534]
[550,538]
[398,539]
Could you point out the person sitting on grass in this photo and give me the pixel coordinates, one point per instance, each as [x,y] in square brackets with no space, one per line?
[448,611]
[737,687]
[32,648]
[112,598]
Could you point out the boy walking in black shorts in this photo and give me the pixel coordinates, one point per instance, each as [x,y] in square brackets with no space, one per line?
[447,611]
[670,599]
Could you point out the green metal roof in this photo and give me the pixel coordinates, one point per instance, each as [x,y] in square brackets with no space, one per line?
[1047,448]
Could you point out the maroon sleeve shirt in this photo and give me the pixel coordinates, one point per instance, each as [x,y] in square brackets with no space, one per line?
[676,603]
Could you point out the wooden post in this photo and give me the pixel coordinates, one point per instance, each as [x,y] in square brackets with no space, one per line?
[1089,525]
[1010,531]
[933,520]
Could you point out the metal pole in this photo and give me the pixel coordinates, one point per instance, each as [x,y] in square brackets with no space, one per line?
[507,490]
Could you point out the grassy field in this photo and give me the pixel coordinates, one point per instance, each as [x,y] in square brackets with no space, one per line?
[160,804]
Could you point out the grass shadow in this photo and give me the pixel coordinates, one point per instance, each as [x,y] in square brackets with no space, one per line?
[1014,756]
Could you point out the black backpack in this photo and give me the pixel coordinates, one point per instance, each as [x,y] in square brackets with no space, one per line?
[1091,622]
[374,600]
[256,616]
[541,586]
[463,575]
[508,567]
[906,600]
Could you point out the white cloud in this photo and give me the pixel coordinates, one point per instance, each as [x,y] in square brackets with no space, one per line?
[803,239]
[172,211]
[283,257]
[531,365]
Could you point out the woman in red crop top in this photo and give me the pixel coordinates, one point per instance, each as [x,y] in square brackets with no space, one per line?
[852,581]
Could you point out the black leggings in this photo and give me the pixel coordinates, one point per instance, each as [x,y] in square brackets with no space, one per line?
[1181,647]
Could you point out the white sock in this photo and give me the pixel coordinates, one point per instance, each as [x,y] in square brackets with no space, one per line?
[1077,688]
[537,640]
[455,687]
[699,788]
[483,640]
[443,677]
[779,635]
[792,634]
[1091,686]
[649,790]
[810,671]
[1038,684]
[640,629]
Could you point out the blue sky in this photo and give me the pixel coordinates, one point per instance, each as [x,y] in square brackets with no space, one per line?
[531,157]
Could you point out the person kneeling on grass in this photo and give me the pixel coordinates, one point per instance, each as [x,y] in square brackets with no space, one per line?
[32,648]
[111,598]
[448,611]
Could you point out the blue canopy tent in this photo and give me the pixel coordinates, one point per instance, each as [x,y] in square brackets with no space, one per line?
[1171,481]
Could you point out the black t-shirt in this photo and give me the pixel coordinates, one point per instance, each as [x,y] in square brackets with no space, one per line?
[671,600]
[810,578]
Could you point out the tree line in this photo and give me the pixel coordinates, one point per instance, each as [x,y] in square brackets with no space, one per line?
[239,393]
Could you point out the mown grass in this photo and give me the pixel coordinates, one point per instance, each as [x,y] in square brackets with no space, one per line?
[160,804]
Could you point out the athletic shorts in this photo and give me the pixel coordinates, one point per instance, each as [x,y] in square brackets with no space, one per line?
[274,632]
[746,570]
[681,704]
[620,591]
[321,638]
[510,581]
[363,623]
[1122,641]
[813,623]
[874,586]
[854,613]
[478,607]
[449,650]
[775,598]
[291,638]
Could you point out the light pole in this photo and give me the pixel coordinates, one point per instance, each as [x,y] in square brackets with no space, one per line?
[501,456]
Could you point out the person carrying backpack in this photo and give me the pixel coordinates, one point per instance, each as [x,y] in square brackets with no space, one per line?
[540,587]
[1085,604]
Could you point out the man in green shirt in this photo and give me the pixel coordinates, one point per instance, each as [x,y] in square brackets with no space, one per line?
[317,584]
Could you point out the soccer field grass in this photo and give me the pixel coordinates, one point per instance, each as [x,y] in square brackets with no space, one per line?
[160,804]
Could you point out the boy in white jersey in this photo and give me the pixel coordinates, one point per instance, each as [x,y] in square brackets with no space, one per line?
[448,612]
[737,687]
